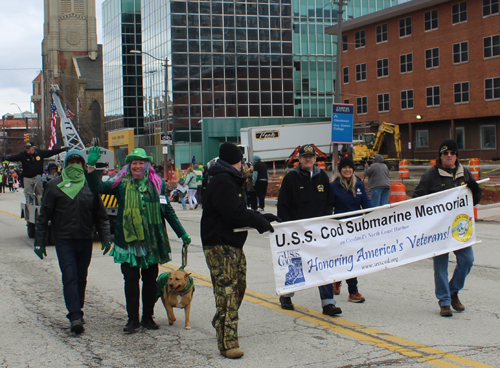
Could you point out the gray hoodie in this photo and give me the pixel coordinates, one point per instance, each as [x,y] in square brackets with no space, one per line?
[378,174]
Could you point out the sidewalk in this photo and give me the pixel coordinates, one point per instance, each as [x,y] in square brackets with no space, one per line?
[488,212]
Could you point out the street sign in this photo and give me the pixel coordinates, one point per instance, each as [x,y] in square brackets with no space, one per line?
[166,139]
[342,123]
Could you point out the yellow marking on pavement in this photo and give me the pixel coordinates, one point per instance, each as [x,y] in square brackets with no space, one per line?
[11,215]
[339,325]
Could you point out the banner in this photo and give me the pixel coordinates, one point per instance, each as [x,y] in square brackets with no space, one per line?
[321,250]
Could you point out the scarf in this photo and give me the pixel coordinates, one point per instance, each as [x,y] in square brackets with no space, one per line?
[73,180]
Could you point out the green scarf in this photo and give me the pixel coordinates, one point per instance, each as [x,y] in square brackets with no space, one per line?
[73,180]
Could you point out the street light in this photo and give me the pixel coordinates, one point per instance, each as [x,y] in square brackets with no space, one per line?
[165,155]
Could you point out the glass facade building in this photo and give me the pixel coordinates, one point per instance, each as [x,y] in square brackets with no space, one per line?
[238,58]
[123,77]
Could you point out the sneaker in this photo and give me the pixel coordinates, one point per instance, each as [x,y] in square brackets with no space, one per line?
[131,326]
[77,326]
[286,303]
[260,209]
[446,311]
[336,287]
[356,298]
[196,206]
[191,208]
[235,353]
[455,303]
[149,323]
[331,310]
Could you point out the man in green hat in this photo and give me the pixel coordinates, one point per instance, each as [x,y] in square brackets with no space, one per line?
[72,208]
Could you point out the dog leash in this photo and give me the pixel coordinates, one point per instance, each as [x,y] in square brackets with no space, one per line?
[184,255]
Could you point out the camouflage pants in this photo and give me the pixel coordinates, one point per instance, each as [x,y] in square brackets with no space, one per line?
[228,270]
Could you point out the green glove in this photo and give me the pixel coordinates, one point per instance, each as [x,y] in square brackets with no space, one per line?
[94,154]
[186,239]
[105,247]
[40,251]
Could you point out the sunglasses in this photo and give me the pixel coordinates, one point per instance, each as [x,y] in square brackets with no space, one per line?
[449,153]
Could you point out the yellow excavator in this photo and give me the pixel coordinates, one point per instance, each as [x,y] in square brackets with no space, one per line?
[365,149]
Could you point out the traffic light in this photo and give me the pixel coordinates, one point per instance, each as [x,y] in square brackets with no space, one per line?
[26,137]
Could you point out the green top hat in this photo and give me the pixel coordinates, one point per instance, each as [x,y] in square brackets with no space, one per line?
[138,154]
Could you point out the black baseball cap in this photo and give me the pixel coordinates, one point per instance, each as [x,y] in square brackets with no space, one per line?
[307,149]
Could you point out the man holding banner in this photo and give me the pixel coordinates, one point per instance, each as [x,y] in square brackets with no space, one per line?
[449,173]
[306,193]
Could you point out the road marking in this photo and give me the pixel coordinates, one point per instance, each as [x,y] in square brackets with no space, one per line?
[342,326]
[372,336]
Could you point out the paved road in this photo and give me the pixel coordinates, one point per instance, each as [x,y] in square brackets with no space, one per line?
[398,325]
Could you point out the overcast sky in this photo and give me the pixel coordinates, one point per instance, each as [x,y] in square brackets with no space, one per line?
[21,35]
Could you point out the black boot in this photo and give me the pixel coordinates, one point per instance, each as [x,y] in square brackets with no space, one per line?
[286,302]
[131,326]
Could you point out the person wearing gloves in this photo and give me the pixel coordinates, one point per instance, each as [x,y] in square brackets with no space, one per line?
[306,193]
[74,211]
[378,181]
[224,210]
[349,194]
[446,174]
[141,240]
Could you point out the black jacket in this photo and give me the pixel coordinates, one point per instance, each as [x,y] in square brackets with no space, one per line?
[224,209]
[71,218]
[437,179]
[302,196]
[261,169]
[33,164]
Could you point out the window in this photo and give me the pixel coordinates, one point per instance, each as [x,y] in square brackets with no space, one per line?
[362,105]
[459,12]
[491,46]
[488,137]
[492,89]
[382,68]
[460,137]
[460,52]
[432,58]
[405,27]
[422,138]
[407,99]
[383,102]
[431,20]
[360,72]
[346,74]
[345,43]
[406,63]
[490,7]
[433,96]
[382,33]
[360,39]
[461,92]
[347,101]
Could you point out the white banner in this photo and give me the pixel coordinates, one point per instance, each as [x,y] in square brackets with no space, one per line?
[321,250]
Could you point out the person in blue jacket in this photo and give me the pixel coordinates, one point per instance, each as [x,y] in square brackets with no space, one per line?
[349,194]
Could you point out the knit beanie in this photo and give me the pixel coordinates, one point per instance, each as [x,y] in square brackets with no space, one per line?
[74,153]
[448,145]
[230,153]
[346,161]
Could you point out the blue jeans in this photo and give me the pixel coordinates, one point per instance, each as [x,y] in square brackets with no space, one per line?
[380,196]
[325,294]
[183,201]
[74,257]
[444,289]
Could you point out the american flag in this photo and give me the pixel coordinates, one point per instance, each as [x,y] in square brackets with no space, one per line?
[69,113]
[79,105]
[53,120]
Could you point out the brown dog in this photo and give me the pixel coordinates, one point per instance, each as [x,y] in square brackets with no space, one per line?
[176,289]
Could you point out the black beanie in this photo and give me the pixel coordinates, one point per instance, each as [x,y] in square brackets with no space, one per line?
[230,153]
[346,161]
[448,145]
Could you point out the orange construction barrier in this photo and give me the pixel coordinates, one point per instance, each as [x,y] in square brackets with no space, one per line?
[475,213]
[321,165]
[403,169]
[397,193]
[474,167]
[433,162]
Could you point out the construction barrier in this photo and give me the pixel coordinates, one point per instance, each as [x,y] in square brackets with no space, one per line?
[403,169]
[475,213]
[397,193]
[474,167]
[433,162]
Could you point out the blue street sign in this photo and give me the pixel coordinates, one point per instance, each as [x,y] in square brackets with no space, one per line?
[342,123]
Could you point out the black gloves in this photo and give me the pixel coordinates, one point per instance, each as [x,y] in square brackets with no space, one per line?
[266,227]
[65,149]
[270,217]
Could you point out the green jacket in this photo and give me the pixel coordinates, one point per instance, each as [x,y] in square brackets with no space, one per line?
[167,212]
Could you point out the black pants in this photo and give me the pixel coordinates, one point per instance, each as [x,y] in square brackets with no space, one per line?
[252,199]
[131,275]
[261,190]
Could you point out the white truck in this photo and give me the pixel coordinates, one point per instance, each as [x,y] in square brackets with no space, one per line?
[277,142]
